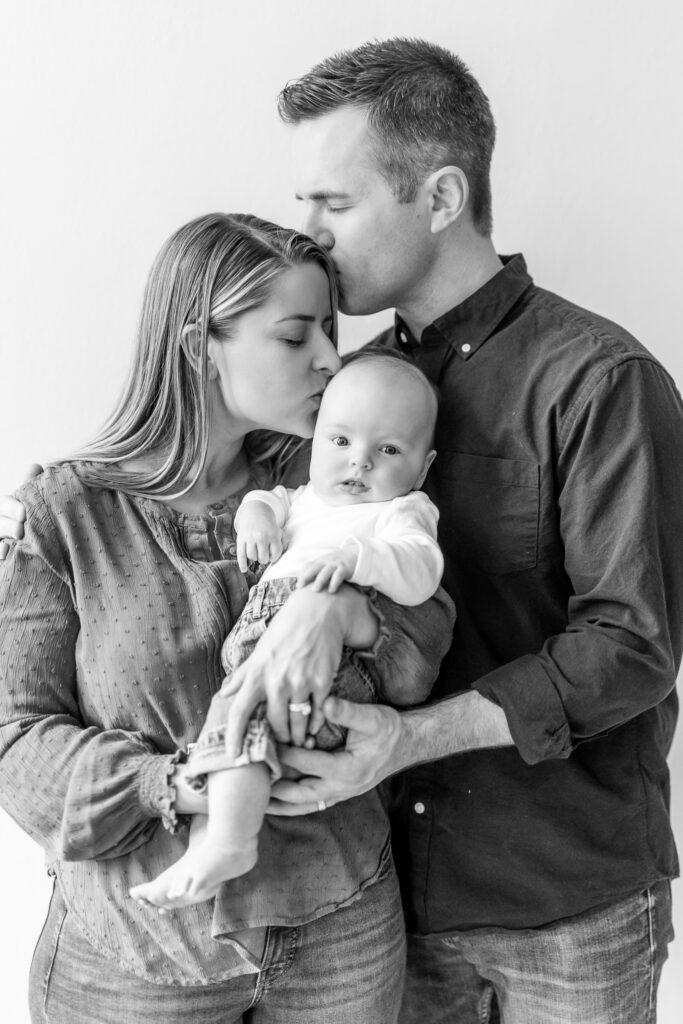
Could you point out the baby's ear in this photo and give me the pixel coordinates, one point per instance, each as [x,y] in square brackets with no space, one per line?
[429,458]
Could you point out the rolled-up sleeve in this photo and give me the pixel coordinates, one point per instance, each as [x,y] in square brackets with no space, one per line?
[81,792]
[620,497]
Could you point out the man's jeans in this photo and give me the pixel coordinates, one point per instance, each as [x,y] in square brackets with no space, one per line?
[601,967]
[345,968]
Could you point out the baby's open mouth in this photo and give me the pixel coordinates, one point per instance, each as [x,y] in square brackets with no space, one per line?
[354,484]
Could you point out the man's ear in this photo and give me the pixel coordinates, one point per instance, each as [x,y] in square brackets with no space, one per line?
[429,458]
[448,191]
[190,342]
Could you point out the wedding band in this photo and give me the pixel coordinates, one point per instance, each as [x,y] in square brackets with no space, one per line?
[321,805]
[300,707]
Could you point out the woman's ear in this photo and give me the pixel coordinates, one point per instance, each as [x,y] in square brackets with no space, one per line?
[191,344]
[448,191]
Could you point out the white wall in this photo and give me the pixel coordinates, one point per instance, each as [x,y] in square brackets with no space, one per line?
[121,119]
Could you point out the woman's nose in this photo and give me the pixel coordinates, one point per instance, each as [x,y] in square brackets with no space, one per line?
[326,359]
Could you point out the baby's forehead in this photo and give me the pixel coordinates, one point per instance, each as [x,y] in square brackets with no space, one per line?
[385,374]
[395,383]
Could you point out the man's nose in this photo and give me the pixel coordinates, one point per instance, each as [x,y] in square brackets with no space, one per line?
[312,226]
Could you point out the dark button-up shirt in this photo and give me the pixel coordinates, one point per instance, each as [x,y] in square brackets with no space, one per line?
[559,478]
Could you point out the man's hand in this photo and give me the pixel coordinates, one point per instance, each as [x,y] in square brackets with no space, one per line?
[296,660]
[13,515]
[372,753]
[381,742]
[329,573]
[259,538]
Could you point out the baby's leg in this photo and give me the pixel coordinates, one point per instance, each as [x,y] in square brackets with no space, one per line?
[223,847]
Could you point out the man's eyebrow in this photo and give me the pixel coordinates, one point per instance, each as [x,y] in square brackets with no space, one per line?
[323,194]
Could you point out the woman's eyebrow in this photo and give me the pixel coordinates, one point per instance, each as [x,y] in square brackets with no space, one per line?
[296,316]
[302,316]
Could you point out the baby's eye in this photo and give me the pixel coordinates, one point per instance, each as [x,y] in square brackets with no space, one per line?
[340,441]
[389,449]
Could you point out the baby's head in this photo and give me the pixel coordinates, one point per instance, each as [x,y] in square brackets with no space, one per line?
[375,429]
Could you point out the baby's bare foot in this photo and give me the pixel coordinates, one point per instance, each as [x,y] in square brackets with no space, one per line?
[197,876]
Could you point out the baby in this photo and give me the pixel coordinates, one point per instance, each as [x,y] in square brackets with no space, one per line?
[361,518]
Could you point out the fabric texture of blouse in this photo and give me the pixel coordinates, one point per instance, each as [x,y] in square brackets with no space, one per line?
[113,611]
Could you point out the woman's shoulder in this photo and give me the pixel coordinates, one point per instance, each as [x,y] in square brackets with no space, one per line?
[58,484]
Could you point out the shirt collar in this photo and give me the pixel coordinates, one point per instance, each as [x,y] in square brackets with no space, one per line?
[467,326]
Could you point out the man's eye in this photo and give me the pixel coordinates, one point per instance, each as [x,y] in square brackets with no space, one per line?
[389,449]
[337,209]
[340,441]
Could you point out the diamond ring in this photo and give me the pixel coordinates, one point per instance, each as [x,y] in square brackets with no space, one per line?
[300,707]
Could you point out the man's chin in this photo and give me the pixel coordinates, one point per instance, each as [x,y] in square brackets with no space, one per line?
[356,307]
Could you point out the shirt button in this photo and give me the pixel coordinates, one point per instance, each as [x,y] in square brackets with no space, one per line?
[419,807]
[232,550]
[402,337]
[466,347]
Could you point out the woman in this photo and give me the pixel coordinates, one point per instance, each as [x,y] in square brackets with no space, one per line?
[115,608]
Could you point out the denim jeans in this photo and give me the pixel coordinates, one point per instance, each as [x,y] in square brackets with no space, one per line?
[600,967]
[344,968]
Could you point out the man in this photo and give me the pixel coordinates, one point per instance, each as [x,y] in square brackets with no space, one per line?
[533,836]
[532,832]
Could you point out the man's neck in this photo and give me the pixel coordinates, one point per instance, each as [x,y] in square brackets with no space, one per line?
[459,272]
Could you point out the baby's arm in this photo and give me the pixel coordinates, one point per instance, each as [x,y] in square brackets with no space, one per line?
[330,572]
[258,523]
[401,559]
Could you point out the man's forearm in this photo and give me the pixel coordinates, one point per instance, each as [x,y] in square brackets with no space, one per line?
[465,722]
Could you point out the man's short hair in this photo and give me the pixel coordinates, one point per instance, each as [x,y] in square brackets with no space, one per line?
[424,107]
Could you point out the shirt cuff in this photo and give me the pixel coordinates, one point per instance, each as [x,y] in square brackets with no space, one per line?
[156,790]
[533,708]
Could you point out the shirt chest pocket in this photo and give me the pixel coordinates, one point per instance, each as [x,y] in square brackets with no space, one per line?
[489,510]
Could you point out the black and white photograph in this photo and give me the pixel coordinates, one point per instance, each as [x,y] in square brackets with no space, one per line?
[341,512]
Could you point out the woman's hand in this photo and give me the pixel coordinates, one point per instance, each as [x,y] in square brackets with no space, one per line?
[373,751]
[13,515]
[296,660]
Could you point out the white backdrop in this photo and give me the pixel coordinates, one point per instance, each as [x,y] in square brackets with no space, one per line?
[121,119]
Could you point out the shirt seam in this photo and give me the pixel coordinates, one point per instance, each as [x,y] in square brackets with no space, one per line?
[592,383]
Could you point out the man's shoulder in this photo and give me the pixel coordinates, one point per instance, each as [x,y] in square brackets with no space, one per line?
[579,330]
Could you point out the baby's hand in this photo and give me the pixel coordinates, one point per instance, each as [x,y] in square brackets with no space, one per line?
[329,573]
[259,538]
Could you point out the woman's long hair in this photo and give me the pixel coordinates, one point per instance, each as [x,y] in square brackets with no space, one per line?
[207,274]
